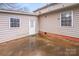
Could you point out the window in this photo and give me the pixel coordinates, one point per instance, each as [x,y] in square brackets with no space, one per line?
[66,18]
[14,22]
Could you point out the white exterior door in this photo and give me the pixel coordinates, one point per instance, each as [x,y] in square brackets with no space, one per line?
[32,24]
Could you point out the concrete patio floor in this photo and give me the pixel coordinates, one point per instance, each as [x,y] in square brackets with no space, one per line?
[37,46]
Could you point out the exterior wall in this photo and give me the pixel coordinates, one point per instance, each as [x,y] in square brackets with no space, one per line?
[7,33]
[51,23]
[46,23]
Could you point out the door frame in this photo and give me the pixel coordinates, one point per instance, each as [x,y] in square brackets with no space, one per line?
[32,29]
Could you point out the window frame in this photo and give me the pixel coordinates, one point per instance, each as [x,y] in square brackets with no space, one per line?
[71,18]
[10,22]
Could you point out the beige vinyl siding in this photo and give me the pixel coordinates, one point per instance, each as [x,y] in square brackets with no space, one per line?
[7,33]
[51,24]
[72,31]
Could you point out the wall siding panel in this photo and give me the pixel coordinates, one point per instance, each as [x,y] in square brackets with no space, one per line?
[51,24]
[7,33]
